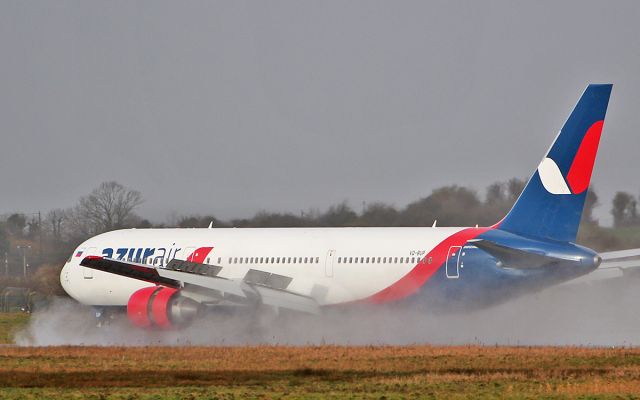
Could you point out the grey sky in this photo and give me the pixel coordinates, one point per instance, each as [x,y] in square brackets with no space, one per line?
[233,107]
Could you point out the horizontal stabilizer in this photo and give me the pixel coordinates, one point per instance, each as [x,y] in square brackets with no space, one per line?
[517,258]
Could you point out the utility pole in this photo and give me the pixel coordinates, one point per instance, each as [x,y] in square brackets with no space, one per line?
[24,259]
[6,263]
[40,232]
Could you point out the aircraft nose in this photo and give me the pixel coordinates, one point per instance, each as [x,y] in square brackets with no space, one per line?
[65,280]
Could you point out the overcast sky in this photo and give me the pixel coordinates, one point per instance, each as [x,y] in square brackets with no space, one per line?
[234,107]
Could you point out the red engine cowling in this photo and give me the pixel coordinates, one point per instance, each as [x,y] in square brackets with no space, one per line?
[161,307]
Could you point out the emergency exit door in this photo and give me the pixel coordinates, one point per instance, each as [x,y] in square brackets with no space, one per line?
[453,262]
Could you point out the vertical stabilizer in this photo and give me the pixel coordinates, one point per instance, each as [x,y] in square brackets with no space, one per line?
[551,203]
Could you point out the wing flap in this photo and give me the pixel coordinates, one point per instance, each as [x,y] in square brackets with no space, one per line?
[215,283]
[261,286]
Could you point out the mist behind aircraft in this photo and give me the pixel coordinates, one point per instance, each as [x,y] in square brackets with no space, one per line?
[581,315]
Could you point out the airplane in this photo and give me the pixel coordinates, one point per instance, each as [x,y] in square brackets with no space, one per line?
[166,278]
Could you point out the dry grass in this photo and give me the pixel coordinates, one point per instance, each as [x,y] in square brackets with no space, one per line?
[10,323]
[314,372]
[326,371]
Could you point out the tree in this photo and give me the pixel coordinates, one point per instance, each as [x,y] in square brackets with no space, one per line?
[338,215]
[498,201]
[515,186]
[624,209]
[16,224]
[4,240]
[450,205]
[590,203]
[54,223]
[108,207]
[379,214]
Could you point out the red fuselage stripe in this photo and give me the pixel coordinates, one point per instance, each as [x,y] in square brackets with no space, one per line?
[420,274]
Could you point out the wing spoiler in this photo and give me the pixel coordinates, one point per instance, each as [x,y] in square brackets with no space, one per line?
[130,270]
[264,287]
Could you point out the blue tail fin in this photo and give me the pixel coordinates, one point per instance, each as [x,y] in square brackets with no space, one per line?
[551,203]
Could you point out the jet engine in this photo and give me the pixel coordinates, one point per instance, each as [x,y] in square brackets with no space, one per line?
[161,307]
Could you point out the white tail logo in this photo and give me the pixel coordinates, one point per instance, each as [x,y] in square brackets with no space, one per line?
[552,178]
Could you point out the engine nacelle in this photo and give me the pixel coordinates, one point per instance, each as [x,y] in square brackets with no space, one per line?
[161,307]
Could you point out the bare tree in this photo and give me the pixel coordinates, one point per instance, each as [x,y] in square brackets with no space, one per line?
[109,206]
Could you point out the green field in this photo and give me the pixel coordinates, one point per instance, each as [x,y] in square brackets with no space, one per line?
[375,372]
[9,323]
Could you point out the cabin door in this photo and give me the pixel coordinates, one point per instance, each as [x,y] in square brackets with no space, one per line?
[453,262]
[328,264]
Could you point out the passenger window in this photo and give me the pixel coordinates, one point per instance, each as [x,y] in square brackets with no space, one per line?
[350,260]
[361,260]
[299,260]
[305,260]
[338,260]
[219,260]
[317,260]
[356,260]
[207,260]
[266,260]
[367,260]
[294,260]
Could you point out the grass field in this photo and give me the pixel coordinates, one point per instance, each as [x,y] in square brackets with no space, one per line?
[9,323]
[316,372]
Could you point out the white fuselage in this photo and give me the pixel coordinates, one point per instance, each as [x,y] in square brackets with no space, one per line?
[333,265]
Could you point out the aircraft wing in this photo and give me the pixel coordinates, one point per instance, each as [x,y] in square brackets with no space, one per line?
[202,282]
[615,264]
